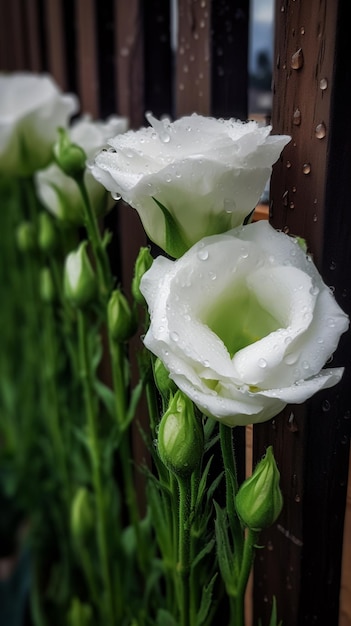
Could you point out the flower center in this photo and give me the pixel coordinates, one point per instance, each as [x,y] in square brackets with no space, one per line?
[238,319]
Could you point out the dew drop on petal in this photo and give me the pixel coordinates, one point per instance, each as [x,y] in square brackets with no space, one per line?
[116,196]
[174,336]
[203,254]
[262,363]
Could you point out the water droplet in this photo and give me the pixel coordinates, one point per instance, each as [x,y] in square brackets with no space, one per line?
[314,291]
[290,359]
[203,254]
[297,498]
[323,84]
[332,265]
[305,365]
[291,205]
[302,30]
[320,130]
[116,196]
[270,546]
[331,322]
[297,117]
[286,230]
[326,405]
[174,336]
[306,168]
[292,425]
[297,59]
[285,198]
[288,164]
[262,363]
[315,217]
[293,189]
[212,275]
[160,126]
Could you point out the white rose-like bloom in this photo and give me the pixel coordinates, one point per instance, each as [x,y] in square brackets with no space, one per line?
[31,109]
[244,323]
[208,173]
[59,193]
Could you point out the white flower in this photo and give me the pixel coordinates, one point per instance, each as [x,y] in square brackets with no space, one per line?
[244,323]
[208,173]
[59,193]
[31,109]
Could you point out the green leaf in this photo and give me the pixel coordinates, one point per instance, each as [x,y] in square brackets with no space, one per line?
[164,618]
[206,602]
[175,244]
[224,550]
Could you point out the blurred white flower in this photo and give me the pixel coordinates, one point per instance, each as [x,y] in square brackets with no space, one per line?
[59,193]
[32,107]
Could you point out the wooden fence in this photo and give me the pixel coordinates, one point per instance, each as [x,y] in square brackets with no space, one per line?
[121,56]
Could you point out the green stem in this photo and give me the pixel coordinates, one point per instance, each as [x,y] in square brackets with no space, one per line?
[237,601]
[183,565]
[94,449]
[50,387]
[231,482]
[103,266]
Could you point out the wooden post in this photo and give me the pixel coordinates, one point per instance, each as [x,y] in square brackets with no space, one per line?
[300,561]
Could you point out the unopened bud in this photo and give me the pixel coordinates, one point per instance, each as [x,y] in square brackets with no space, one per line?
[46,286]
[181,437]
[26,237]
[259,500]
[47,234]
[80,613]
[70,157]
[79,278]
[82,515]
[121,322]
[142,264]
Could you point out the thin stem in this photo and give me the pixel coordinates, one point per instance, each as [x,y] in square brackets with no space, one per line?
[183,565]
[237,601]
[103,266]
[231,482]
[94,449]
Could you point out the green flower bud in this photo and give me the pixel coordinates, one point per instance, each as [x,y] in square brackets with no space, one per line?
[180,437]
[259,500]
[142,264]
[26,237]
[82,515]
[46,286]
[47,234]
[79,278]
[121,321]
[164,383]
[80,613]
[70,157]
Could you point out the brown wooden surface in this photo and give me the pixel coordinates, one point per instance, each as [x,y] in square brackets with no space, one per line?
[88,79]
[300,562]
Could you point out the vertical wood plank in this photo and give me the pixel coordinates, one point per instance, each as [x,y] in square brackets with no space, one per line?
[55,42]
[88,80]
[13,43]
[300,563]
[193,63]
[158,83]
[229,58]
[129,86]
[31,16]
[129,61]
